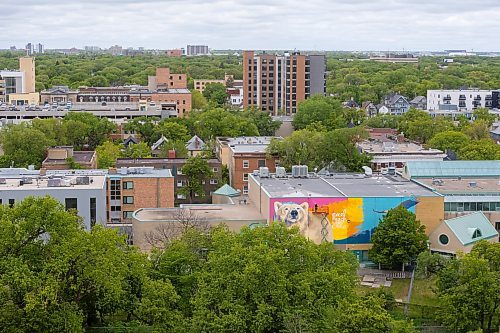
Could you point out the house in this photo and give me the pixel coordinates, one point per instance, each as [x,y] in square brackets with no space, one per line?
[351,104]
[130,141]
[396,104]
[495,132]
[65,158]
[195,146]
[370,109]
[382,109]
[419,102]
[459,234]
[156,147]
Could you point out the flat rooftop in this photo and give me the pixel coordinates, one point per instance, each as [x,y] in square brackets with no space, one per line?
[78,157]
[464,186]
[390,147]
[34,183]
[140,172]
[343,185]
[211,213]
[453,169]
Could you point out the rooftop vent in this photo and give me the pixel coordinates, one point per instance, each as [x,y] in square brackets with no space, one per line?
[472,184]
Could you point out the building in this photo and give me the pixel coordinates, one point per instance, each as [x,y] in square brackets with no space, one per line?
[39,48]
[132,188]
[20,81]
[396,154]
[59,95]
[242,156]
[396,58]
[195,146]
[115,50]
[279,82]
[234,214]
[174,53]
[235,97]
[397,104]
[419,102]
[196,50]
[65,158]
[30,49]
[370,109]
[467,186]
[341,208]
[179,180]
[201,84]
[459,234]
[83,190]
[495,132]
[462,101]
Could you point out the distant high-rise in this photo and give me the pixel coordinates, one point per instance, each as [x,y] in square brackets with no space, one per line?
[193,50]
[29,49]
[39,48]
[279,82]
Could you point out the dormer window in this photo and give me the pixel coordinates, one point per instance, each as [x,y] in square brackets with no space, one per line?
[477,233]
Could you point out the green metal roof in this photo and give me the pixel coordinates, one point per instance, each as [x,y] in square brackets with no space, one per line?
[471,228]
[228,191]
[453,168]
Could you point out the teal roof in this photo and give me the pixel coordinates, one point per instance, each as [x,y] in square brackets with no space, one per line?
[471,228]
[453,168]
[228,191]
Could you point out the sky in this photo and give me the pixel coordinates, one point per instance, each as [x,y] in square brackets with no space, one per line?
[394,25]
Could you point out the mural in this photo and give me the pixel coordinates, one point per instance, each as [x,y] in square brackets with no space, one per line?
[338,220]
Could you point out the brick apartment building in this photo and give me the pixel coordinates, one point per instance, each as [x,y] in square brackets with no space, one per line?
[279,82]
[179,180]
[242,156]
[129,189]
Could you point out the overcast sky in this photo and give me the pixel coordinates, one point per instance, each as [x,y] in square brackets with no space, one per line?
[254,24]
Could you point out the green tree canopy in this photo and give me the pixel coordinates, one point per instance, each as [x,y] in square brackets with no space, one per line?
[398,239]
[197,171]
[449,140]
[216,93]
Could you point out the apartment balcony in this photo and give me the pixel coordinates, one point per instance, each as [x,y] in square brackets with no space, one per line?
[477,98]
[447,98]
[462,98]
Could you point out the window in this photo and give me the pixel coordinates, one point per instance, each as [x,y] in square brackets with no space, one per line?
[262,163]
[116,208]
[181,196]
[128,200]
[71,203]
[443,239]
[12,202]
[477,233]
[179,183]
[246,164]
[93,211]
[245,177]
[245,189]
[115,192]
[128,185]
[214,181]
[215,169]
[127,214]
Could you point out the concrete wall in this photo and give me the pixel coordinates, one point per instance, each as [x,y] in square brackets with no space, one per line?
[317,72]
[430,212]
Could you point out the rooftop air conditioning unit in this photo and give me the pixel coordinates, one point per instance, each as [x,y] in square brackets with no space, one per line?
[264,172]
[54,182]
[123,171]
[304,171]
[295,171]
[27,180]
[82,180]
[255,172]
[472,184]
[280,172]
[3,181]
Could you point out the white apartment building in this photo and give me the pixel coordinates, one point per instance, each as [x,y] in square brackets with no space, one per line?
[461,100]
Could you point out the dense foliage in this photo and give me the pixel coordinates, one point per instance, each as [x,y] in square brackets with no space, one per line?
[398,239]
[57,277]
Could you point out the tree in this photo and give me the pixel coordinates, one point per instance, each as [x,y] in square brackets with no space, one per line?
[198,101]
[398,239]
[467,289]
[24,145]
[197,171]
[263,120]
[183,221]
[301,148]
[449,140]
[139,150]
[219,122]
[316,109]
[57,277]
[364,315]
[215,92]
[107,153]
[144,126]
[429,264]
[484,115]
[85,129]
[484,149]
[170,130]
[268,279]
[477,130]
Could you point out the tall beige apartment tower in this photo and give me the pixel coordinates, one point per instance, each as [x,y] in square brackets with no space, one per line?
[27,65]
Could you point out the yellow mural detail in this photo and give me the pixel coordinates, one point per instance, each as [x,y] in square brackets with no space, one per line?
[347,218]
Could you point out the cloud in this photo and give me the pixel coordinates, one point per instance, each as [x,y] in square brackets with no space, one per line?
[254,24]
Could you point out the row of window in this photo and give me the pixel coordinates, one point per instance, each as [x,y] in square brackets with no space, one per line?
[246,163]
[182,183]
[471,206]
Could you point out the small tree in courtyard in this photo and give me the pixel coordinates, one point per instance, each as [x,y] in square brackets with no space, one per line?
[398,239]
[197,171]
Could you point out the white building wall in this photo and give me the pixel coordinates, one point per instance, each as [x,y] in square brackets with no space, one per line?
[437,97]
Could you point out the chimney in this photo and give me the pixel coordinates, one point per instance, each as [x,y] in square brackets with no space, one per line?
[171,153]
[401,138]
[112,171]
[43,172]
